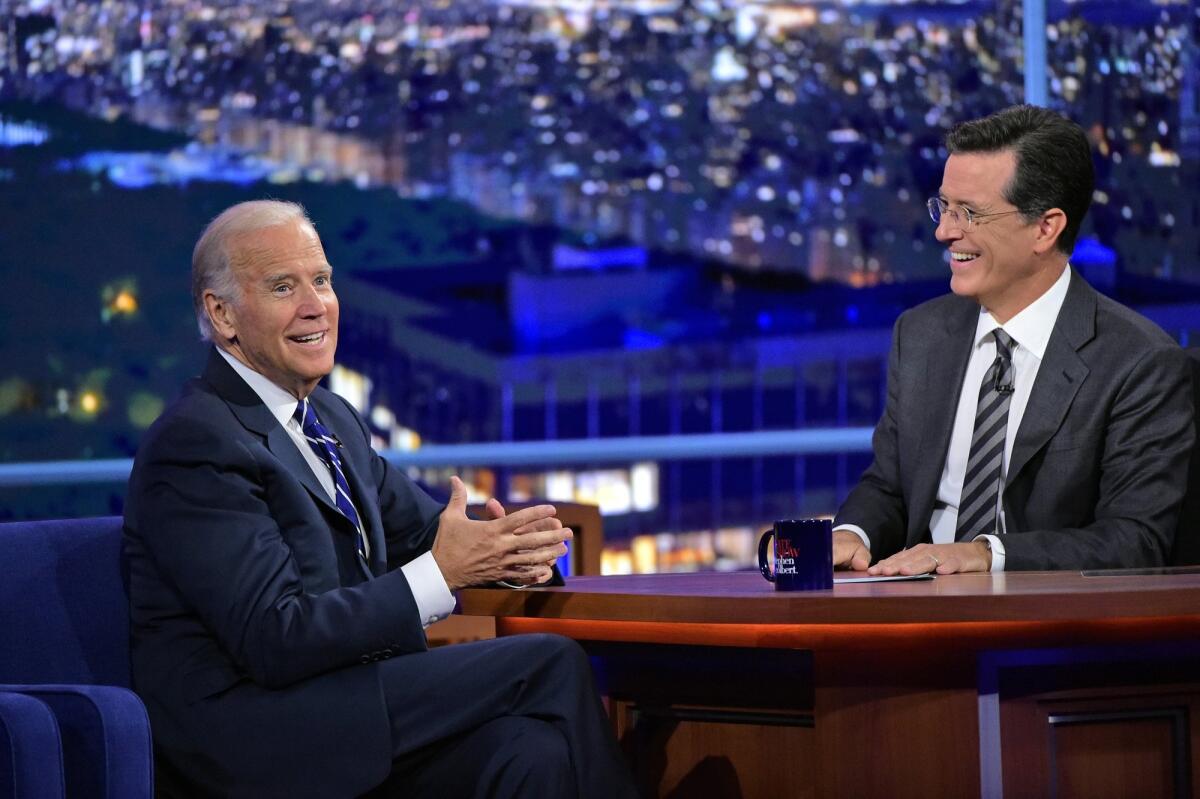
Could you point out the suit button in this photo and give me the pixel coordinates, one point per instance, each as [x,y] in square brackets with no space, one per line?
[387,653]
[365,659]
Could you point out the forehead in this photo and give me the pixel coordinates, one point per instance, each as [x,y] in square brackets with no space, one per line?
[280,249]
[977,177]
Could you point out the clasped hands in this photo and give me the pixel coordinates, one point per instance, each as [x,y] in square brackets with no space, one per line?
[969,556]
[518,548]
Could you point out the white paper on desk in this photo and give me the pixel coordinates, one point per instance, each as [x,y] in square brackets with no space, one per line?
[881,578]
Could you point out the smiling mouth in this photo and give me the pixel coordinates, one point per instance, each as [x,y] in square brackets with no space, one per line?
[963,257]
[311,338]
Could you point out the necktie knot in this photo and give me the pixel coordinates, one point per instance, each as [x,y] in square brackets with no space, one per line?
[301,414]
[1002,378]
[317,434]
[1004,343]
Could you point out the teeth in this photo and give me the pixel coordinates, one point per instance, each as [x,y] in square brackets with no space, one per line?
[307,339]
[963,256]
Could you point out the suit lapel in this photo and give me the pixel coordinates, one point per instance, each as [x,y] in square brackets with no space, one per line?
[248,407]
[1059,377]
[283,447]
[945,367]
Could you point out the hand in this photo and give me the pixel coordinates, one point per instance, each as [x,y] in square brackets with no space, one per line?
[495,510]
[517,548]
[971,556]
[849,552]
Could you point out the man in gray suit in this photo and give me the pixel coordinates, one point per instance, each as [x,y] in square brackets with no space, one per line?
[1031,423]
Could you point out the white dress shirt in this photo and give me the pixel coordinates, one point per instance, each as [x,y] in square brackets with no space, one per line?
[432,595]
[1030,331]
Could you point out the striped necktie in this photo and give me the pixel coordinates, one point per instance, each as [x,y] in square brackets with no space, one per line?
[983,480]
[326,448]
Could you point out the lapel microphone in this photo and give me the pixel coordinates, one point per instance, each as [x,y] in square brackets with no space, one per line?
[1003,383]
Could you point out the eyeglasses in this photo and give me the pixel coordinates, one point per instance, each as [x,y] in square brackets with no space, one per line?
[962,217]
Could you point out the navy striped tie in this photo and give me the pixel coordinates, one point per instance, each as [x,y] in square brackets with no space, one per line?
[983,481]
[326,448]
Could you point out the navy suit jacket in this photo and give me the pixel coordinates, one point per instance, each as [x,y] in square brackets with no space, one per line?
[255,626]
[1098,466]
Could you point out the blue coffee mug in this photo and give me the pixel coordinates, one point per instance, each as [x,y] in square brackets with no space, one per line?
[802,555]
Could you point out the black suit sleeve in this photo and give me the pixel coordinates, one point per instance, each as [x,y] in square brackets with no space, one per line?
[208,511]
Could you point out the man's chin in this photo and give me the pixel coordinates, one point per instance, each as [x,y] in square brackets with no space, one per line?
[312,374]
[963,286]
[317,375]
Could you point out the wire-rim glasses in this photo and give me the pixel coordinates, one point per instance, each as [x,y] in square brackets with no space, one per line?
[961,217]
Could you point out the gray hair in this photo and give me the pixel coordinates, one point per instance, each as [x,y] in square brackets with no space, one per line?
[211,269]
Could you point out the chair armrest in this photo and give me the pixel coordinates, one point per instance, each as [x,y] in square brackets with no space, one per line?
[31,758]
[106,745]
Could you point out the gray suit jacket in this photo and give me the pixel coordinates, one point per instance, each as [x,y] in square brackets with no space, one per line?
[1098,468]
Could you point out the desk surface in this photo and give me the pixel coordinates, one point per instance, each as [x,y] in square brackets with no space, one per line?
[740,597]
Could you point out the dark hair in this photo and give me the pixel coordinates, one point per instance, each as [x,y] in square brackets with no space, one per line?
[1054,162]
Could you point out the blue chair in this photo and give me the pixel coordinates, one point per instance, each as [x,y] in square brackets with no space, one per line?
[30,749]
[64,611]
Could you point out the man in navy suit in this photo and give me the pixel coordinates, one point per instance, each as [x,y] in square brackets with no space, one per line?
[1031,423]
[281,575]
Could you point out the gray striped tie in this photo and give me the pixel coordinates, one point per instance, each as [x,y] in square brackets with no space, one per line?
[983,482]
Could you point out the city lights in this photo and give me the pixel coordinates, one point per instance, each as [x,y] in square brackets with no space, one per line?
[766,145]
[827,81]
[89,402]
[119,299]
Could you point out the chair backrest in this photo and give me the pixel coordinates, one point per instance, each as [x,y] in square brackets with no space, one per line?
[1187,535]
[64,607]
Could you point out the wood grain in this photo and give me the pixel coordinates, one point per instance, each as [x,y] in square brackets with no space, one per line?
[744,597]
[714,679]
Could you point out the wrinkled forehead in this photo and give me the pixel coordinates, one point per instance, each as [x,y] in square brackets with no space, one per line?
[283,248]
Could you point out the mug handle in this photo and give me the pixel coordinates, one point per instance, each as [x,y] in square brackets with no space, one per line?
[762,555]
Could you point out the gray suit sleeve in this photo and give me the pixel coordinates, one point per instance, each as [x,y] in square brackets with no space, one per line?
[1143,459]
[876,504]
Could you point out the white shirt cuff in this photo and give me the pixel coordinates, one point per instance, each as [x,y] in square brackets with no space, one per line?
[997,552]
[429,589]
[858,531]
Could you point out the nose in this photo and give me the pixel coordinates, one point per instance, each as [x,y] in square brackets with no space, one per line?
[312,303]
[946,230]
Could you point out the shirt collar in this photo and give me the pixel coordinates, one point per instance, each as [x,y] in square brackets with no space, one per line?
[281,403]
[1031,328]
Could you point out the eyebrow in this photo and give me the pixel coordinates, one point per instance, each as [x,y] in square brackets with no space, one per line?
[966,203]
[278,276]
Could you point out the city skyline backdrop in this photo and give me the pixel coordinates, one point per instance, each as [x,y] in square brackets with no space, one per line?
[552,220]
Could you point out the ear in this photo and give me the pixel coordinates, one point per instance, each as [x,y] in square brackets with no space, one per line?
[222,316]
[1049,227]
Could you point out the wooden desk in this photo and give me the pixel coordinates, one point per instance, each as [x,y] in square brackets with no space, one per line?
[1019,684]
